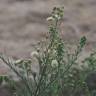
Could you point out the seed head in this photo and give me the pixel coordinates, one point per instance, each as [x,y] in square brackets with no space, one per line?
[50,19]
[54,63]
[34,54]
[18,61]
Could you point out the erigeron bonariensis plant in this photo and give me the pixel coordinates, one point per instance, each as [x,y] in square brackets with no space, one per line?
[56,75]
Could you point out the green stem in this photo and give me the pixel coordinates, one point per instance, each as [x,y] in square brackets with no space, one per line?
[23,79]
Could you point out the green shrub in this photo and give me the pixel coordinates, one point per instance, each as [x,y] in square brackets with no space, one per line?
[59,72]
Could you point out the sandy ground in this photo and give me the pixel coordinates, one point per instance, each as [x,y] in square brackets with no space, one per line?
[23,23]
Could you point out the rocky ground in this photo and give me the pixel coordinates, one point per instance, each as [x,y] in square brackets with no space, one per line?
[23,23]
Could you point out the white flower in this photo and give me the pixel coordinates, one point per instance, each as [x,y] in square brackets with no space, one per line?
[57,16]
[54,52]
[18,61]
[50,19]
[54,63]
[34,54]
[49,50]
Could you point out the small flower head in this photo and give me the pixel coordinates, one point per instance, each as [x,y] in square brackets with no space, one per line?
[57,13]
[57,17]
[54,63]
[34,54]
[18,61]
[50,19]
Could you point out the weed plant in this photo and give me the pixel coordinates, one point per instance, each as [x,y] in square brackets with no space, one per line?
[59,72]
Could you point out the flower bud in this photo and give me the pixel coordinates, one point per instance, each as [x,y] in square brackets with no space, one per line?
[54,63]
[34,54]
[57,17]
[18,61]
[50,19]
